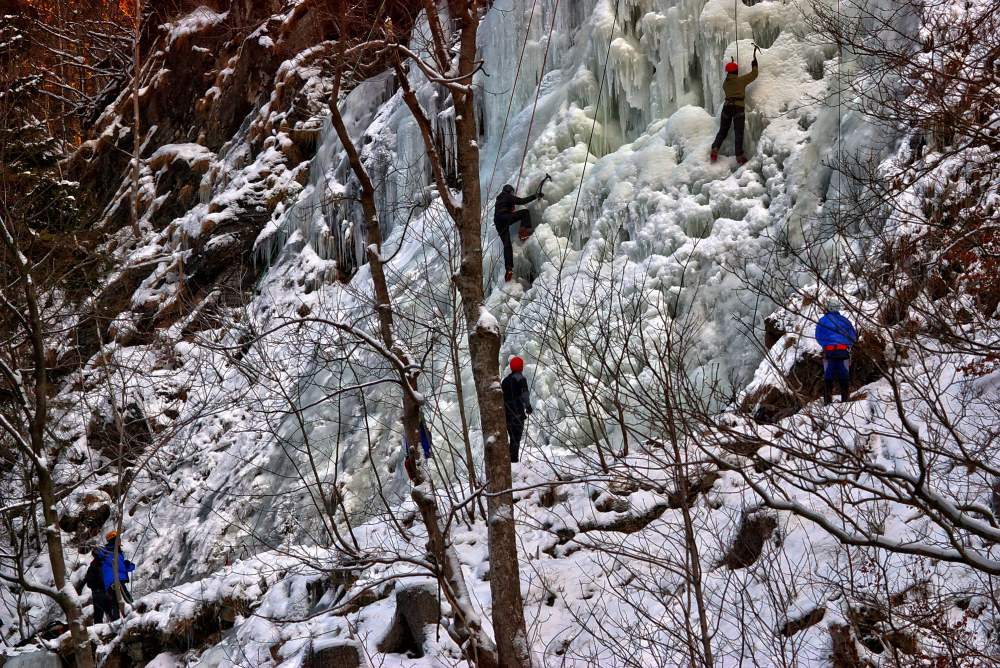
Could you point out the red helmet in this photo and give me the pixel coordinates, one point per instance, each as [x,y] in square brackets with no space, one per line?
[731,66]
[516,364]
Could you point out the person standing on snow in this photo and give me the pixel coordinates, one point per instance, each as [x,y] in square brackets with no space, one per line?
[835,334]
[106,554]
[734,109]
[516,405]
[95,580]
[504,217]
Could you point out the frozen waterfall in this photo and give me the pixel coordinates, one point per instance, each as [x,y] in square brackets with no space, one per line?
[636,222]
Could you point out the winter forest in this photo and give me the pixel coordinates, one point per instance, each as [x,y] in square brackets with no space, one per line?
[500,333]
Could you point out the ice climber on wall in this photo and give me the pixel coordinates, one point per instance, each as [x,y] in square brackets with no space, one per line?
[505,218]
[734,109]
[516,405]
[835,334]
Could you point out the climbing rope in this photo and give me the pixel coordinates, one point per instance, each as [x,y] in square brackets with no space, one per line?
[510,104]
[534,108]
[576,204]
[597,107]
[736,24]
[538,90]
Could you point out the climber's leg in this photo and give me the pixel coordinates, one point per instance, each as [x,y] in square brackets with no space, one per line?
[829,375]
[508,249]
[739,122]
[843,378]
[522,218]
[724,122]
[515,428]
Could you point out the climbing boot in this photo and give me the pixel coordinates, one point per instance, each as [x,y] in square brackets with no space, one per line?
[715,154]
[509,275]
[524,233]
[741,159]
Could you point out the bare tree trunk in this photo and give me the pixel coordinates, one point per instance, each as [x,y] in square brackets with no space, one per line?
[38,417]
[136,142]
[484,330]
[484,349]
[469,634]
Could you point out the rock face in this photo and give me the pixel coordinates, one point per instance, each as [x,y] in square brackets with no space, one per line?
[39,659]
[845,650]
[417,607]
[799,376]
[755,529]
[86,518]
[339,655]
[802,622]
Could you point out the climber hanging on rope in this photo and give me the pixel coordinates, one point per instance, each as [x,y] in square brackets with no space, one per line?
[516,405]
[734,109]
[835,334]
[504,218]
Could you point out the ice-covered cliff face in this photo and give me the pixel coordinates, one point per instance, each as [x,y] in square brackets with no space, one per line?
[635,221]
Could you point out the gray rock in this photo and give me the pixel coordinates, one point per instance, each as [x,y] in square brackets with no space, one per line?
[417,607]
[342,654]
[39,659]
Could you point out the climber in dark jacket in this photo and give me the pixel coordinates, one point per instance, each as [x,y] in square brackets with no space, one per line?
[95,580]
[734,108]
[835,334]
[504,218]
[106,555]
[516,405]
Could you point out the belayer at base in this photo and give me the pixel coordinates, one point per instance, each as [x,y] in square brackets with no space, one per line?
[836,335]
[101,580]
[516,406]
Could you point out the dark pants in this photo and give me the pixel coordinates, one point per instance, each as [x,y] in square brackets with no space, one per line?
[734,115]
[104,604]
[504,226]
[515,428]
[836,367]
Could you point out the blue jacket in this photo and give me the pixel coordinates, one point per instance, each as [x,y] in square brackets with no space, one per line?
[106,555]
[833,329]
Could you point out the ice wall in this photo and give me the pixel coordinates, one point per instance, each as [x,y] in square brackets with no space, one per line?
[651,210]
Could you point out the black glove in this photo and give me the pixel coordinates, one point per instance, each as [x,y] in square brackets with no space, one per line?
[528,411]
[128,564]
[754,62]
[539,195]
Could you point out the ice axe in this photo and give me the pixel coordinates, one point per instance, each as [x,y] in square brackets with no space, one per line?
[547,178]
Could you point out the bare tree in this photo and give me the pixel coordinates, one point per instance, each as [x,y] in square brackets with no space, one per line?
[453,153]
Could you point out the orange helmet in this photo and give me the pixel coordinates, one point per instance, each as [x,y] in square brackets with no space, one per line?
[111,535]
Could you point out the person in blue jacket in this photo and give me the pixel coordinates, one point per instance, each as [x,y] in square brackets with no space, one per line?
[106,555]
[835,334]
